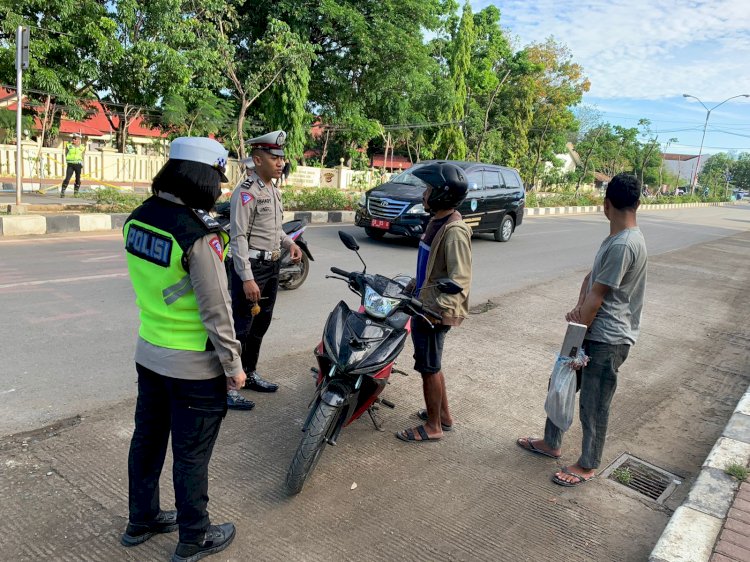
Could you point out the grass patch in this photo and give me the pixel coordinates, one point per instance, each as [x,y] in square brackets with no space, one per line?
[737,470]
[623,475]
[318,199]
[111,200]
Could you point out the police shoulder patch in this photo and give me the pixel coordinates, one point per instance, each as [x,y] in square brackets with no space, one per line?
[216,246]
[207,219]
[246,198]
[148,245]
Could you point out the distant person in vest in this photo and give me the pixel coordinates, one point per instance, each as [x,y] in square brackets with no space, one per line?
[74,152]
[186,354]
[257,235]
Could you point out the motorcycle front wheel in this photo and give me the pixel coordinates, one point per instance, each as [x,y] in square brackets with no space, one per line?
[311,447]
[299,278]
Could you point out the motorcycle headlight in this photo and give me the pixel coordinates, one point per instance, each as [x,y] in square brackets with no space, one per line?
[416,210]
[377,305]
[362,200]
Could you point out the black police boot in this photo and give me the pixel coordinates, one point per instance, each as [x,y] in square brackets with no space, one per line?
[216,539]
[137,533]
[235,401]
[255,382]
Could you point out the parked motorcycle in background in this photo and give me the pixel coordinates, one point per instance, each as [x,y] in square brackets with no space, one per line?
[291,275]
[355,358]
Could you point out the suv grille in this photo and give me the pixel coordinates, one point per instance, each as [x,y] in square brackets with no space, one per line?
[386,208]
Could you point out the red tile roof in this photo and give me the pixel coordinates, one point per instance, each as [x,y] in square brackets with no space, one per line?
[95,124]
[394,162]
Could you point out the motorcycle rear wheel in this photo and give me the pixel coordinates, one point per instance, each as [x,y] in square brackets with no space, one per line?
[311,447]
[298,279]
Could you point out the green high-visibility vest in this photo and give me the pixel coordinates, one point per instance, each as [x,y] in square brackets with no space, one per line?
[158,235]
[74,154]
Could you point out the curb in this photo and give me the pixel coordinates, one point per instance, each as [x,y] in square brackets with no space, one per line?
[694,527]
[541,211]
[20,225]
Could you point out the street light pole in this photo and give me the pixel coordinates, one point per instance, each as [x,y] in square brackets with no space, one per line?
[705,126]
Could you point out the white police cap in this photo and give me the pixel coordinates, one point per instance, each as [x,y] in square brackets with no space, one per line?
[270,142]
[200,149]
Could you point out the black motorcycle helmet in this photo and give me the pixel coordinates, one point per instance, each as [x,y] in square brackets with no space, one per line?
[448,182]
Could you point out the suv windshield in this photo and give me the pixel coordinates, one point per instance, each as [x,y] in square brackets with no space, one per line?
[407,178]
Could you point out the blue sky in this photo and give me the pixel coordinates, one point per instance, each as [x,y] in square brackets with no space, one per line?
[642,55]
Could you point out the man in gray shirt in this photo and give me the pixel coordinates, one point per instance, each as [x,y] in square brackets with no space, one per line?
[610,304]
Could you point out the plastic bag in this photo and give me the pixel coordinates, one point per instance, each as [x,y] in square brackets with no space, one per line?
[561,396]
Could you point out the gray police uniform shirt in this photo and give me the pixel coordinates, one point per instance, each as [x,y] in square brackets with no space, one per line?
[621,265]
[256,216]
[209,281]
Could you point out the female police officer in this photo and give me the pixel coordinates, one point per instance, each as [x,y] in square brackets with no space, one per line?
[186,355]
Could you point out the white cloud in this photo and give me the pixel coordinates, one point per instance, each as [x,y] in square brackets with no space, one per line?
[644,49]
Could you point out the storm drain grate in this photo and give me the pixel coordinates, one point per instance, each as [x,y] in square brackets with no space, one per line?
[645,478]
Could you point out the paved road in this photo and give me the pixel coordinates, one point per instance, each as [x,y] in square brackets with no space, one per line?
[69,322]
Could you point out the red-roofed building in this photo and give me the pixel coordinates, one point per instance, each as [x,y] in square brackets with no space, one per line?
[393,163]
[97,129]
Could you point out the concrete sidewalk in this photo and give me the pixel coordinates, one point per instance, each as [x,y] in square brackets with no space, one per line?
[473,496]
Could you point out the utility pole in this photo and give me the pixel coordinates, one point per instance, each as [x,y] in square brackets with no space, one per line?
[694,180]
[22,63]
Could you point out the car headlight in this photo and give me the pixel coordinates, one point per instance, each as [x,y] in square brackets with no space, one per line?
[377,305]
[417,209]
[362,200]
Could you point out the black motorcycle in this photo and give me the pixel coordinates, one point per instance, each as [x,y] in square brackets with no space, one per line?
[291,275]
[355,358]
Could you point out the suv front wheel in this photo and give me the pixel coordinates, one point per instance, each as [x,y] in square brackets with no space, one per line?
[505,230]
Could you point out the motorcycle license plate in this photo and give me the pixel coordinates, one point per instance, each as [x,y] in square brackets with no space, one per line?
[378,223]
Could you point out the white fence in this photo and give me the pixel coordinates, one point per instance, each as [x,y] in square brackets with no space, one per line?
[112,168]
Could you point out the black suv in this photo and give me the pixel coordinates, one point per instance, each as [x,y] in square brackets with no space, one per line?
[495,202]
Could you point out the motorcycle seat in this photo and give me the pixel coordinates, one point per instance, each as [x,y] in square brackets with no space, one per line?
[291,226]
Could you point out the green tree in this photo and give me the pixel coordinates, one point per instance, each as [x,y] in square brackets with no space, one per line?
[558,87]
[741,171]
[152,54]
[450,142]
[63,58]
[715,172]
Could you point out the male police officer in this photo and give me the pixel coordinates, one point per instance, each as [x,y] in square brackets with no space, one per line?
[74,157]
[256,237]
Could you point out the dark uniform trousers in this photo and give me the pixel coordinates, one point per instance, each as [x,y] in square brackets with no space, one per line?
[251,329]
[72,169]
[192,410]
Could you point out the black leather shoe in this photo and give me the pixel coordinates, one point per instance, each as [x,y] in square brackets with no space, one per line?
[216,539]
[255,382]
[138,533]
[235,401]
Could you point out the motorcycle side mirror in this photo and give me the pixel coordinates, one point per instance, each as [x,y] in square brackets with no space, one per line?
[448,286]
[348,241]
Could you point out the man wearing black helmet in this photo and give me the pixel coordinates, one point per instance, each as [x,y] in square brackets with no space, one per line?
[444,252]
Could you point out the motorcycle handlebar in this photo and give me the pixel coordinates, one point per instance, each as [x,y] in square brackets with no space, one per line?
[419,307]
[341,272]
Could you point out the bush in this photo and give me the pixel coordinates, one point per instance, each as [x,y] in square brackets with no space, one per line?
[111,200]
[533,199]
[318,199]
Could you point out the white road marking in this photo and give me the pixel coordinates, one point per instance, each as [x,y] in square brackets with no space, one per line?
[7,391]
[103,258]
[64,280]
